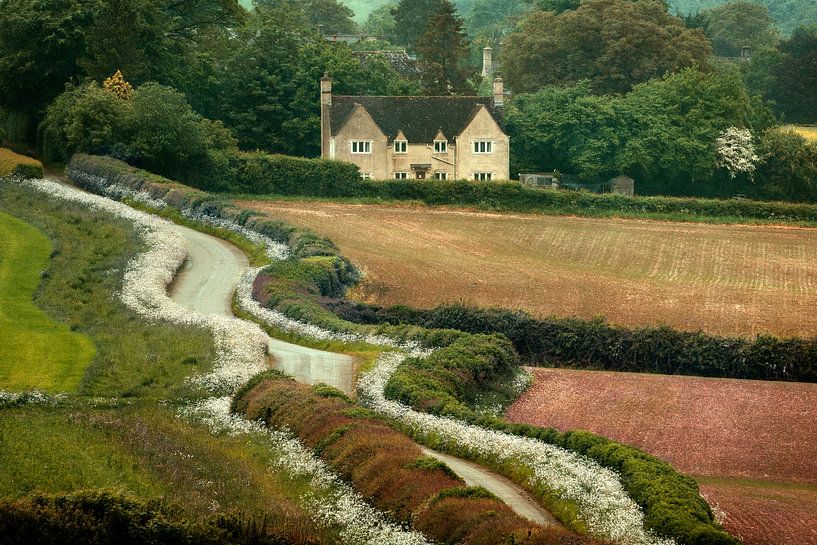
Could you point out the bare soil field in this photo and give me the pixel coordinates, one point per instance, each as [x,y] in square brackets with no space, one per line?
[750,444]
[723,279]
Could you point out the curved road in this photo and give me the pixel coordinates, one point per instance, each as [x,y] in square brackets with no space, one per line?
[206,284]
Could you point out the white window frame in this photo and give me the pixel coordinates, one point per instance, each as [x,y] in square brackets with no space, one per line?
[357,145]
[401,176]
[483,176]
[486,145]
[365,175]
[441,175]
[441,146]
[401,147]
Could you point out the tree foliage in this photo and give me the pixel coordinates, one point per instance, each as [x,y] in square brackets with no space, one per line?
[662,132]
[411,20]
[739,24]
[443,53]
[633,41]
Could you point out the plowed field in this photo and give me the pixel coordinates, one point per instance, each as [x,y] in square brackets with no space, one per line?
[731,280]
[751,444]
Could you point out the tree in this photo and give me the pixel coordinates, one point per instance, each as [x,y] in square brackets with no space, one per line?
[443,53]
[381,22]
[332,16]
[40,44]
[411,19]
[788,167]
[558,6]
[794,87]
[633,41]
[739,24]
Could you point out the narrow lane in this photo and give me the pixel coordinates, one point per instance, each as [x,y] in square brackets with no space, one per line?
[206,284]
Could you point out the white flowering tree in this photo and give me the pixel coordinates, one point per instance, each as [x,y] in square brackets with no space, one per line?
[736,151]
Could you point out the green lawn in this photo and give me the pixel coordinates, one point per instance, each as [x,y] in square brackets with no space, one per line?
[36,351]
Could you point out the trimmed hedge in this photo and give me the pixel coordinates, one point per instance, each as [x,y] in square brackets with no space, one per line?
[595,344]
[109,518]
[388,468]
[512,196]
[260,173]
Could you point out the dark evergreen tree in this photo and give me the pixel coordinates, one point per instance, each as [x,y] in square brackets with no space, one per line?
[411,18]
[443,53]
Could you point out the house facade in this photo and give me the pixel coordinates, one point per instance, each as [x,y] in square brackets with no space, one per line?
[417,137]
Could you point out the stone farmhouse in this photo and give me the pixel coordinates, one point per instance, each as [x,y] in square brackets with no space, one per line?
[417,137]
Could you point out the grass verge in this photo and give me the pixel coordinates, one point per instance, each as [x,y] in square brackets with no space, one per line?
[36,352]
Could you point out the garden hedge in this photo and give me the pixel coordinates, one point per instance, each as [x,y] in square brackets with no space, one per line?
[595,344]
[14,164]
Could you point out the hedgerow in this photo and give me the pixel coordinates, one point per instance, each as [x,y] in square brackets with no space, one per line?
[595,344]
[386,466]
[105,517]
[14,164]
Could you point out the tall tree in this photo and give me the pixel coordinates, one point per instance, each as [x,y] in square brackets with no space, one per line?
[411,18]
[633,41]
[331,15]
[443,53]
[794,88]
[735,25]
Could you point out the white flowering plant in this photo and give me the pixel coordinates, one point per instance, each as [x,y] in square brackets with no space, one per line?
[736,151]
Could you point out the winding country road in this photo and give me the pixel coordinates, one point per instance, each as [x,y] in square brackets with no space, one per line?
[206,284]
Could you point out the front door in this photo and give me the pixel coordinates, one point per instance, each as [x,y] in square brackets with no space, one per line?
[421,175]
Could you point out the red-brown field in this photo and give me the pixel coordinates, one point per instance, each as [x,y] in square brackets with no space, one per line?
[724,279]
[751,444]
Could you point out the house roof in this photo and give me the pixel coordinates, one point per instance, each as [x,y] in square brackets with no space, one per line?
[399,60]
[420,118]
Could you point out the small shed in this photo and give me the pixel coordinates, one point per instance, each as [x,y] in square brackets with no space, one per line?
[622,185]
[539,179]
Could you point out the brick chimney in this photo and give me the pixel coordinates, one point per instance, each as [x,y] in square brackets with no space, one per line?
[487,62]
[326,115]
[499,93]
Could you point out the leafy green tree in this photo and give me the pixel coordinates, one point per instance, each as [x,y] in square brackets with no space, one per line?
[83,119]
[739,24]
[381,22]
[794,87]
[443,54]
[267,88]
[40,45]
[633,41]
[332,16]
[662,133]
[411,19]
[788,167]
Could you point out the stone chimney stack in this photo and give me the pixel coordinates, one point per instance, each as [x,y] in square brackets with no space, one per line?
[326,115]
[487,62]
[499,93]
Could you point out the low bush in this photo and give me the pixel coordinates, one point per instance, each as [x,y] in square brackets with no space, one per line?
[260,173]
[595,344]
[14,164]
[108,518]
[387,467]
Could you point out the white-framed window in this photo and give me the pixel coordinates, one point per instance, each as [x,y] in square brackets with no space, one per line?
[440,146]
[441,175]
[483,146]
[401,146]
[365,175]
[483,176]
[361,146]
[401,175]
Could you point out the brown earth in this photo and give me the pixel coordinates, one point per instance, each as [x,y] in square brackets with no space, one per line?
[750,444]
[724,279]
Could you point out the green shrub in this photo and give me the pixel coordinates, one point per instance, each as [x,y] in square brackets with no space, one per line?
[28,171]
[260,173]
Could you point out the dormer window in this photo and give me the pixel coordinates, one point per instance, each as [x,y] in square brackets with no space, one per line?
[401,146]
[361,147]
[483,146]
[440,146]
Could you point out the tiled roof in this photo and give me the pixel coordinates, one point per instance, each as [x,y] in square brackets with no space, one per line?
[420,118]
[399,60]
